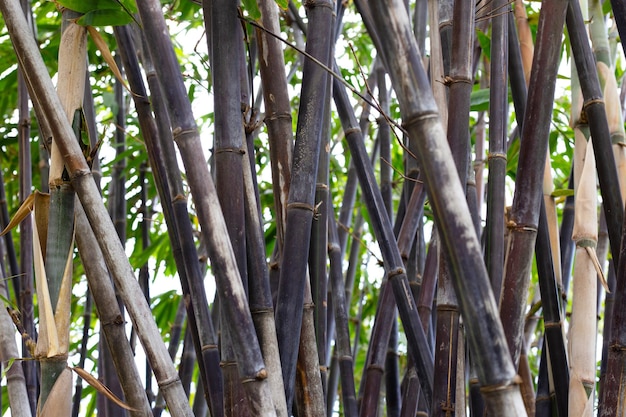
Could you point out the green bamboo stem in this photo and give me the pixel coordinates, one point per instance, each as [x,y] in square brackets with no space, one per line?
[40,84]
[528,191]
[420,120]
[109,314]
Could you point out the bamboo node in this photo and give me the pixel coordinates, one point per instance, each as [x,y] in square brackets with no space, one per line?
[586,243]
[618,139]
[395,272]
[447,80]
[496,155]
[164,384]
[511,224]
[591,102]
[501,387]
[302,206]
[277,116]
[211,346]
[347,132]
[240,151]
[419,118]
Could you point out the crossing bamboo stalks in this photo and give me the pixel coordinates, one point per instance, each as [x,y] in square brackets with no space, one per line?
[528,191]
[595,111]
[260,296]
[391,256]
[40,86]
[186,136]
[450,209]
[301,204]
[169,185]
[554,343]
[109,314]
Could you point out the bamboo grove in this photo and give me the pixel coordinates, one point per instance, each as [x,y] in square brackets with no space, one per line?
[318,208]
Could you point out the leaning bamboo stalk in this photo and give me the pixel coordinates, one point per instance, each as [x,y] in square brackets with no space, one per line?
[420,119]
[277,110]
[40,87]
[582,341]
[394,266]
[109,314]
[161,154]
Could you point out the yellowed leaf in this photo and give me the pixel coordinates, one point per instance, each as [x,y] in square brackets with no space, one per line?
[102,389]
[22,212]
[106,54]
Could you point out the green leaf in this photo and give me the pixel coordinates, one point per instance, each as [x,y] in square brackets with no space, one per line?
[84,6]
[563,193]
[283,4]
[251,9]
[105,17]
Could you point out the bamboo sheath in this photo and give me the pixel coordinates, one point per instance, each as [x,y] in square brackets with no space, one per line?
[42,91]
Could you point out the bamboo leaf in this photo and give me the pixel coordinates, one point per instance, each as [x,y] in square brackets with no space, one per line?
[101,388]
[105,17]
[252,9]
[283,4]
[59,401]
[106,54]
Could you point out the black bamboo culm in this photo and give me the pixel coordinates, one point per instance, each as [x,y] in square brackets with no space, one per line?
[345,359]
[595,111]
[619,14]
[301,204]
[227,63]
[186,261]
[528,191]
[498,120]
[419,112]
